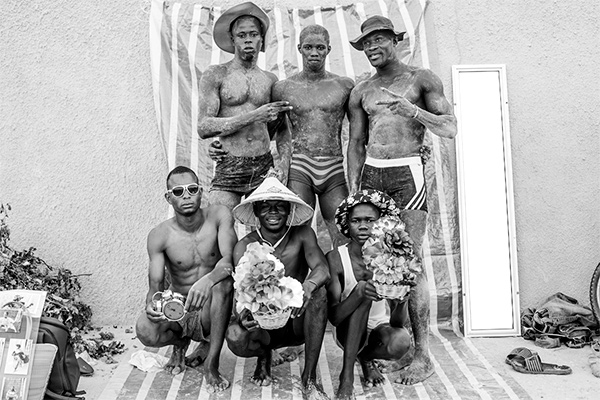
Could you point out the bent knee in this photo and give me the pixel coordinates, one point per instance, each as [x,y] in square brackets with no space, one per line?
[399,343]
[237,339]
[147,332]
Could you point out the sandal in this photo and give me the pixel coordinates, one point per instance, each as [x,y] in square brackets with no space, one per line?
[528,362]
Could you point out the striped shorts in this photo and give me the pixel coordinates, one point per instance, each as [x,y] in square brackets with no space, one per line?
[321,173]
[403,179]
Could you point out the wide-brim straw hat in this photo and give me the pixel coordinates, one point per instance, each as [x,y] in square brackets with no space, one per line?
[272,189]
[373,24]
[386,205]
[221,34]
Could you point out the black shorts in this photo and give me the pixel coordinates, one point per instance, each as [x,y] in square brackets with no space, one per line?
[241,174]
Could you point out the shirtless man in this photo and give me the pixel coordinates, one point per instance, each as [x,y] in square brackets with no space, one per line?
[279,214]
[196,247]
[319,101]
[235,106]
[364,327]
[389,114]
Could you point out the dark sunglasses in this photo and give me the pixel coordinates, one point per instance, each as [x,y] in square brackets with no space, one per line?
[177,191]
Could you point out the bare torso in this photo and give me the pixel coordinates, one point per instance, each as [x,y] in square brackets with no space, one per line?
[290,252]
[319,107]
[391,135]
[242,90]
[190,255]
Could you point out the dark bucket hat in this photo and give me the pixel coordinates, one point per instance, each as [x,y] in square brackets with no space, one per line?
[373,24]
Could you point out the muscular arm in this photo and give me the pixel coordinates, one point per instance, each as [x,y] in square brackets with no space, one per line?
[319,269]
[156,269]
[437,116]
[209,125]
[227,239]
[283,140]
[357,141]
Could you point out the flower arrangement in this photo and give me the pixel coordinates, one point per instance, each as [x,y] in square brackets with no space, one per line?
[389,254]
[261,287]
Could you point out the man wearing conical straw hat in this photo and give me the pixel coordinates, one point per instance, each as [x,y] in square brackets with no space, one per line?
[279,215]
[235,106]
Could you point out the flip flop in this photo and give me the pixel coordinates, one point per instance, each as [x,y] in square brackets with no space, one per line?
[528,362]
[84,368]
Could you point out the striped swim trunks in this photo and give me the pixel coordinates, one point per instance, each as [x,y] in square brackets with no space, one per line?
[403,179]
[321,173]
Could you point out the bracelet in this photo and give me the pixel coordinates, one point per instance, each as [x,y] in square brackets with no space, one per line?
[416,112]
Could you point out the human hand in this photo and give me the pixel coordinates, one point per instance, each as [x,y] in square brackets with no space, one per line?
[399,105]
[153,315]
[270,111]
[216,152]
[247,321]
[198,294]
[309,288]
[366,290]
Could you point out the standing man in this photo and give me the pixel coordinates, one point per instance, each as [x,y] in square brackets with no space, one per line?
[279,215]
[389,114]
[196,247]
[235,105]
[319,101]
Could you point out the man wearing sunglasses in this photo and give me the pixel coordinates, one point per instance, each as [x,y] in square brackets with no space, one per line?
[389,114]
[196,247]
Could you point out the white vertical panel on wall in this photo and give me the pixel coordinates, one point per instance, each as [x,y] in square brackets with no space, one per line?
[486,212]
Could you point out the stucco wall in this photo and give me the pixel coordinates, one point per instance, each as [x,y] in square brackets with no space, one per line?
[82,165]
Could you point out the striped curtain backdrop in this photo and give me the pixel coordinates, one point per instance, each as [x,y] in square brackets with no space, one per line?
[182,48]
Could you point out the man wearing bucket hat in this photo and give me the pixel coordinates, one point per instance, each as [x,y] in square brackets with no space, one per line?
[279,215]
[364,327]
[389,114]
[235,105]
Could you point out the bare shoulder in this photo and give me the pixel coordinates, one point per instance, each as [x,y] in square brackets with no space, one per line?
[217,213]
[305,232]
[159,234]
[272,77]
[428,79]
[334,261]
[215,72]
[344,81]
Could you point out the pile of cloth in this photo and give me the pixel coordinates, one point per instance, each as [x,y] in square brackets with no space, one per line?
[560,319]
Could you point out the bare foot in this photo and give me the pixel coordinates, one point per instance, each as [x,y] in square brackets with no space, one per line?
[215,382]
[176,363]
[291,353]
[277,359]
[594,361]
[314,391]
[345,391]
[262,373]
[371,373]
[198,355]
[388,366]
[420,369]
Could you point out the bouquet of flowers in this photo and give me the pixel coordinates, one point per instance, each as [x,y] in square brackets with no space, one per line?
[261,287]
[389,254]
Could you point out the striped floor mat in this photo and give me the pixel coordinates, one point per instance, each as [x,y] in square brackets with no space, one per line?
[461,373]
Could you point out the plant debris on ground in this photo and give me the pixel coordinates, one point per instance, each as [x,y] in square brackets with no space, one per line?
[24,270]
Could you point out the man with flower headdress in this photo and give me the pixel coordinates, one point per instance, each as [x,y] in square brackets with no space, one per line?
[235,106]
[279,215]
[364,327]
[389,114]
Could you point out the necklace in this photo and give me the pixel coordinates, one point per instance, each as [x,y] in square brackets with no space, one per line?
[276,243]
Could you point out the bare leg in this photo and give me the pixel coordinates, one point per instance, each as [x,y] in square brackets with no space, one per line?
[315,321]
[418,307]
[198,355]
[328,202]
[218,308]
[244,343]
[164,334]
[351,334]
[228,199]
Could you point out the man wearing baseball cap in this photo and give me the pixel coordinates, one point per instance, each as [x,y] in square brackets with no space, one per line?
[389,115]
[235,105]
